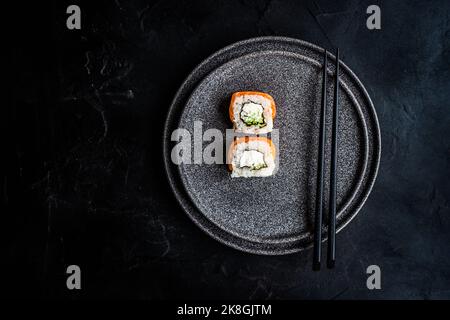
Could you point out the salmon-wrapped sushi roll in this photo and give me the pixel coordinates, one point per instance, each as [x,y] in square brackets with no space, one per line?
[251,157]
[252,112]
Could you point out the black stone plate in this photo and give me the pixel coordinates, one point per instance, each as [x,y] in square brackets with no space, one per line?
[273,215]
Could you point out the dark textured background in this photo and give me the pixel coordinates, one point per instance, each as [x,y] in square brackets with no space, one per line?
[84,182]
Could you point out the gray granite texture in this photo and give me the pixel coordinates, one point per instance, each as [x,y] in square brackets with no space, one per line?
[273,215]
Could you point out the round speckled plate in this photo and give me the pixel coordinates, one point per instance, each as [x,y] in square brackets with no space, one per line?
[273,215]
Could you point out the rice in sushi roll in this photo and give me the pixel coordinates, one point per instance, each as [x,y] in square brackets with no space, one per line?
[252,112]
[251,157]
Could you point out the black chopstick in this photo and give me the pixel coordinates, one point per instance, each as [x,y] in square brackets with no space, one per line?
[331,252]
[320,166]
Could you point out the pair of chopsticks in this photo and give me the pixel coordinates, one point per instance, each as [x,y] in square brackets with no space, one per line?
[331,250]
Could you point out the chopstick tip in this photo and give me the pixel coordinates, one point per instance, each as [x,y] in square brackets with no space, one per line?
[331,264]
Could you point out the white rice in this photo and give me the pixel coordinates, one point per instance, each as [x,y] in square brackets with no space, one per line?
[240,126]
[261,146]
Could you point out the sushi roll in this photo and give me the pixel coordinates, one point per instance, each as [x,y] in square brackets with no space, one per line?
[251,157]
[252,112]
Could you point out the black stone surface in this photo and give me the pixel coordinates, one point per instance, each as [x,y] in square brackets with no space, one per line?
[84,182]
